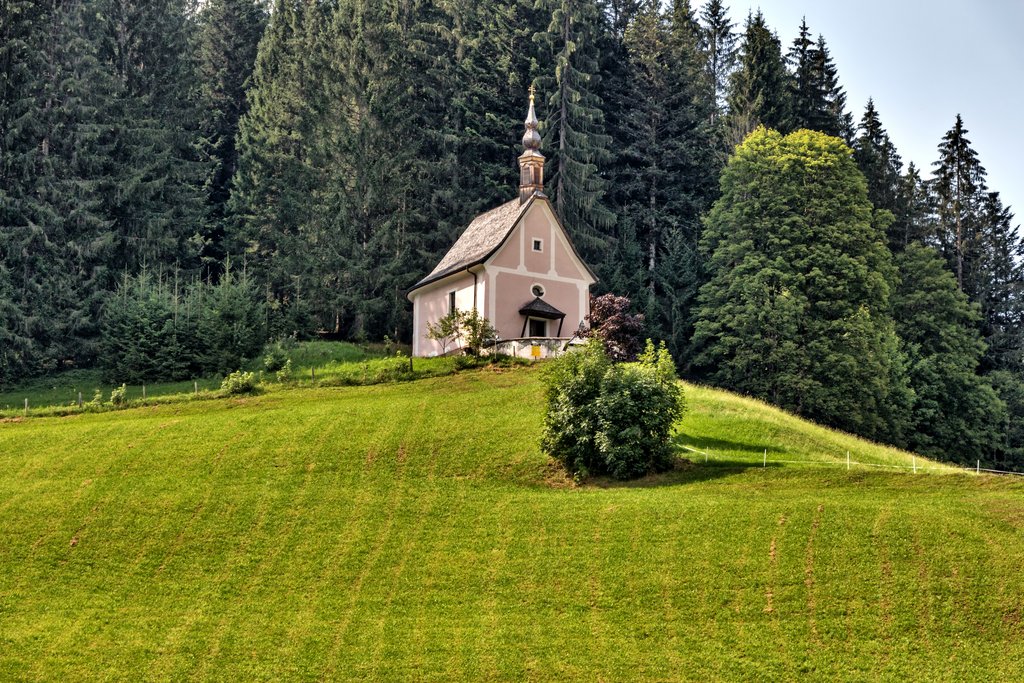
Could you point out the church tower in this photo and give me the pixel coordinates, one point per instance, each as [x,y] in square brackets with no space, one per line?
[531,161]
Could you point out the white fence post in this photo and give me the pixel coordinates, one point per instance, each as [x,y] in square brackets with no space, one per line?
[977,470]
[847,461]
[914,458]
[765,463]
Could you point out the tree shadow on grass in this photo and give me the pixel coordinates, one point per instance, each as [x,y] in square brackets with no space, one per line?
[686,471]
[704,443]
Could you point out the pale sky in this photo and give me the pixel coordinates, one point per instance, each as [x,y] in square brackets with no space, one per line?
[924,62]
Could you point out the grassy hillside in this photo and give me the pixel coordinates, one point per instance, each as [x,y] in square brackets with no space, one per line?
[414,531]
[330,359]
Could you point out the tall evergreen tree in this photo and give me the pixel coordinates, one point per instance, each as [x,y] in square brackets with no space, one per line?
[574,128]
[229,35]
[667,163]
[959,186]
[882,167]
[276,183]
[975,233]
[819,102]
[832,118]
[718,44]
[913,213]
[807,100]
[157,201]
[53,233]
[1001,287]
[759,91]
[956,414]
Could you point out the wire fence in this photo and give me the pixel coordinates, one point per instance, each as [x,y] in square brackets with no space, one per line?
[849,464]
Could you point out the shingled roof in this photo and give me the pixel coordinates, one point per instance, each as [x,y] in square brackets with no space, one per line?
[483,236]
[541,309]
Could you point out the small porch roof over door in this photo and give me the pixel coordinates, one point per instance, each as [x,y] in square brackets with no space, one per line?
[538,308]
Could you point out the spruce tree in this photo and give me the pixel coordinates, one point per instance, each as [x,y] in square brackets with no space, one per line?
[229,35]
[277,180]
[832,118]
[53,232]
[956,414]
[718,44]
[913,213]
[959,186]
[819,102]
[759,90]
[664,178]
[1001,287]
[976,235]
[574,132]
[806,96]
[156,202]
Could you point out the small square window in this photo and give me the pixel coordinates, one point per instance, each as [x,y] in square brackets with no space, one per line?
[538,245]
[538,328]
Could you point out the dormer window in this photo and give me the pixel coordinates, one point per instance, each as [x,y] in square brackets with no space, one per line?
[538,245]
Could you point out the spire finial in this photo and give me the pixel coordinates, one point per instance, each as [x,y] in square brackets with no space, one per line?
[531,161]
[531,139]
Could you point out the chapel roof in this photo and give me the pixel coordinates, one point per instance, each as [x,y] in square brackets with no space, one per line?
[483,236]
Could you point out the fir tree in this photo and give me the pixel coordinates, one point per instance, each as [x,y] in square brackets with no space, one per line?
[832,117]
[819,103]
[574,125]
[913,213]
[156,201]
[663,179]
[51,219]
[277,178]
[230,31]
[1001,286]
[954,409]
[718,44]
[807,99]
[959,186]
[759,91]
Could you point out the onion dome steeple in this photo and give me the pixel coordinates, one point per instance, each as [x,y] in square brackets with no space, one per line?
[531,161]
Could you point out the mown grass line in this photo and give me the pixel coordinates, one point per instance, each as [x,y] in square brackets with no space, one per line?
[413,532]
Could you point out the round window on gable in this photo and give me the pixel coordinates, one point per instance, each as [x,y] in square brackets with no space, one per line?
[537,290]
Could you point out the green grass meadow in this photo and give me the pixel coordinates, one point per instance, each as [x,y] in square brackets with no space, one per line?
[414,531]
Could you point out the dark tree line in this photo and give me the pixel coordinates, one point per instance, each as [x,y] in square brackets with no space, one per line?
[333,149]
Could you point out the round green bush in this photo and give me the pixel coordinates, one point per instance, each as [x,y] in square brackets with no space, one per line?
[612,419]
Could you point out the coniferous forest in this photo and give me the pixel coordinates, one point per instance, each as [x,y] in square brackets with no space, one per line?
[181,181]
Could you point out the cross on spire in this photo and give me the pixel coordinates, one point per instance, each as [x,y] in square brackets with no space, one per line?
[531,161]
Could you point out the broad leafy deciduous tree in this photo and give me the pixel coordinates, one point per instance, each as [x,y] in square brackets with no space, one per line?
[797,307]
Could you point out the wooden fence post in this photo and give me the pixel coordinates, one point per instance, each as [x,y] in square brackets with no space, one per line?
[79,399]
[26,407]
